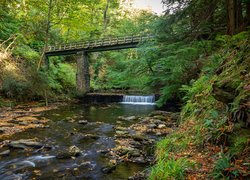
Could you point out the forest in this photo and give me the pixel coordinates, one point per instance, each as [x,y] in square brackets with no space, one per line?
[198,61]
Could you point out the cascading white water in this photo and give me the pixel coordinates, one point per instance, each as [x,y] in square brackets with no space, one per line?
[142,100]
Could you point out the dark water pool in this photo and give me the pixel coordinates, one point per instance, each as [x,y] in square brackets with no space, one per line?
[63,132]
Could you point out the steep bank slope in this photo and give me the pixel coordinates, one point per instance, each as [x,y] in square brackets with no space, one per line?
[213,137]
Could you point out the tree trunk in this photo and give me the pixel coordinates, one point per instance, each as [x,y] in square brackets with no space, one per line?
[105,16]
[230,17]
[239,25]
[48,24]
[234,17]
[46,34]
[247,18]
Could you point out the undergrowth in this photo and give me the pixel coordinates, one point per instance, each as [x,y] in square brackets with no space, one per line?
[20,80]
[216,114]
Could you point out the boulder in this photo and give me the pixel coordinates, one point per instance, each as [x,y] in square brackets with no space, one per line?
[72,151]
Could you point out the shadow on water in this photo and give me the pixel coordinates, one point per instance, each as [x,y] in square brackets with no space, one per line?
[65,131]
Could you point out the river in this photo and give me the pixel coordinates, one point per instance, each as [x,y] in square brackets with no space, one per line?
[65,131]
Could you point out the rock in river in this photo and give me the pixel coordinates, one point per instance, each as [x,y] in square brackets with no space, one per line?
[108,169]
[84,122]
[26,143]
[152,126]
[72,151]
[5,153]
[161,126]
[129,118]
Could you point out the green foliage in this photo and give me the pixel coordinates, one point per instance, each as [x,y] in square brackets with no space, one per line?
[9,25]
[24,88]
[61,78]
[222,163]
[239,142]
[27,53]
[167,167]
[178,67]
[226,166]
[171,144]
[201,97]
[209,115]
[170,169]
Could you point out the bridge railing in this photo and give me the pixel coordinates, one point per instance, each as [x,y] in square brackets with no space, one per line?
[98,43]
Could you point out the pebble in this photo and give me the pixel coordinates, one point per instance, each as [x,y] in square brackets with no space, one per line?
[161,126]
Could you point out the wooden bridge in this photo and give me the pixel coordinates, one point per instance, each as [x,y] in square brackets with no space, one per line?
[105,44]
[82,48]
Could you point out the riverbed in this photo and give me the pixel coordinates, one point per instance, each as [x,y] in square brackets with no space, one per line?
[90,128]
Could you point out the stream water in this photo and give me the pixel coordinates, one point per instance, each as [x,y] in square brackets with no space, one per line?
[65,131]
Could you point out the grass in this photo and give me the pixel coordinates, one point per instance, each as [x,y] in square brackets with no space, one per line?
[170,169]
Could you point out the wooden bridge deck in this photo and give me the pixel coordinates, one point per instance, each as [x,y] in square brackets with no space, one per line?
[96,45]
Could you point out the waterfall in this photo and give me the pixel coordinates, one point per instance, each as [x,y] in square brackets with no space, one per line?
[142,100]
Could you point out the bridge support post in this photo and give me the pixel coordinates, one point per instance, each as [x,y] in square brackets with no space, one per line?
[46,62]
[82,75]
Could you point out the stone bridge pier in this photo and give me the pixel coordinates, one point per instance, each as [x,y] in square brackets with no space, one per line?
[82,75]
